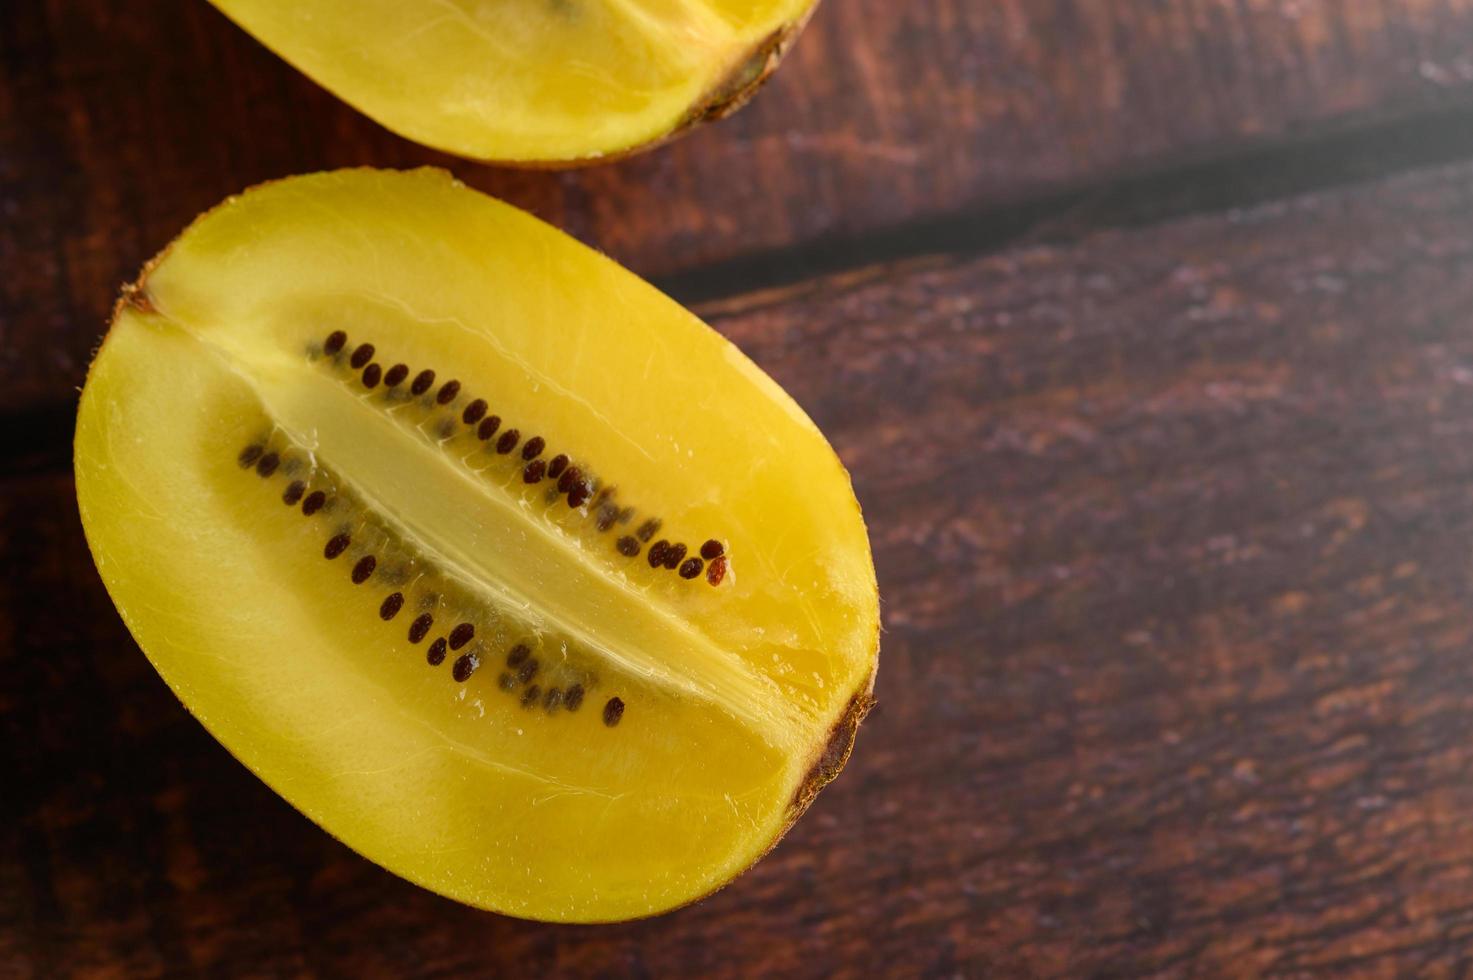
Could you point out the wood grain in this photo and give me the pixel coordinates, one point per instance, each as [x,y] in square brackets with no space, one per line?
[1172,532]
[117,126]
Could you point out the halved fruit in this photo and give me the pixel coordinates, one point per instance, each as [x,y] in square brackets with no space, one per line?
[491,559]
[536,82]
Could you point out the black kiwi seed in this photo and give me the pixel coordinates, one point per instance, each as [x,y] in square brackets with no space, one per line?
[534,447]
[657,553]
[530,696]
[508,441]
[461,635]
[648,529]
[336,546]
[465,667]
[606,515]
[474,411]
[518,655]
[314,502]
[420,628]
[422,382]
[371,375]
[528,670]
[628,547]
[691,568]
[334,342]
[569,477]
[364,569]
[605,494]
[447,428]
[362,354]
[435,655]
[391,606]
[613,711]
[717,570]
[488,427]
[674,554]
[626,515]
[553,700]
[573,700]
[712,549]
[293,493]
[532,472]
[579,494]
[558,464]
[249,455]
[448,391]
[505,681]
[395,375]
[267,464]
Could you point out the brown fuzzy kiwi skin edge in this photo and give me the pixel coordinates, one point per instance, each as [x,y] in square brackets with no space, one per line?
[825,768]
[744,81]
[836,751]
[135,294]
[732,91]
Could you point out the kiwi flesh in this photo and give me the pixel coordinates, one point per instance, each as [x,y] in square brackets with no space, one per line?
[537,83]
[488,557]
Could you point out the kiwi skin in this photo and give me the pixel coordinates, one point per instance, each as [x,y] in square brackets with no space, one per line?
[836,751]
[734,90]
[825,768]
[826,764]
[747,78]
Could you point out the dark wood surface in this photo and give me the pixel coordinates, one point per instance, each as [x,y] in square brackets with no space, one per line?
[1147,333]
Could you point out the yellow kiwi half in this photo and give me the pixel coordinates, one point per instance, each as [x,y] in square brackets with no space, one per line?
[537,82]
[488,557]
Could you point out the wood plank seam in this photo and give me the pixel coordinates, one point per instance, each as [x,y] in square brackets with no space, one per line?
[1239,176]
[1237,179]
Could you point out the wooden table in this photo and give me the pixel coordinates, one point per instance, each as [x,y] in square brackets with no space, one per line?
[1147,332]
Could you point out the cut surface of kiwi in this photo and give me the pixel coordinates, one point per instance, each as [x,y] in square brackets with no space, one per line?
[534,82]
[491,559]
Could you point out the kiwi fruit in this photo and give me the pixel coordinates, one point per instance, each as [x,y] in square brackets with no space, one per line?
[488,557]
[538,83]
